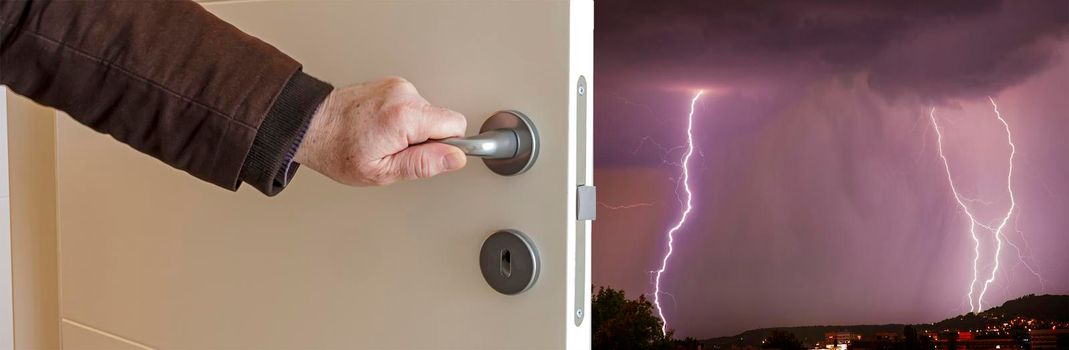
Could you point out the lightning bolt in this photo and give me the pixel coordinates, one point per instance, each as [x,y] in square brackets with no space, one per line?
[682,218]
[977,304]
[625,206]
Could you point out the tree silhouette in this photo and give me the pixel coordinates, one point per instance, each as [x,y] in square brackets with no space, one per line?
[688,343]
[621,323]
[782,340]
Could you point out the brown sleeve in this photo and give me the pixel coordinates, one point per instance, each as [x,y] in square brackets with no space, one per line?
[165,77]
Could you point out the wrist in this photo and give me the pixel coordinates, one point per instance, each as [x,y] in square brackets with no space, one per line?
[272,151]
[306,151]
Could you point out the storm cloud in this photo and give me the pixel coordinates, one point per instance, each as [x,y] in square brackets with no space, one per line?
[943,48]
[819,195]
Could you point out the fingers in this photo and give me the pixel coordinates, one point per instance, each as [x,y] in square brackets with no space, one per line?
[425,160]
[434,123]
[420,120]
[375,134]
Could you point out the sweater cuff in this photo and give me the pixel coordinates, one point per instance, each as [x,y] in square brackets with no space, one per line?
[282,128]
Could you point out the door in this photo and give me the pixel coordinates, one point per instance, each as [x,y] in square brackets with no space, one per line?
[153,258]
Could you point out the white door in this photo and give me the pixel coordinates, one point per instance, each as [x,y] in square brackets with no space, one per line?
[153,258]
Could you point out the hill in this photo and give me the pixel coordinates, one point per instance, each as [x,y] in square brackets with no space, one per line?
[1046,307]
[1042,307]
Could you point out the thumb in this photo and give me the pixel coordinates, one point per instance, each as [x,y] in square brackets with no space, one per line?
[426,160]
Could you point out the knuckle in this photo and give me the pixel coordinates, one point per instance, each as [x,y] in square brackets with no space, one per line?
[398,85]
[461,121]
[446,117]
[394,80]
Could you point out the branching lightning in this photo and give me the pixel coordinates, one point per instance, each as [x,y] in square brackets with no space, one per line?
[976,301]
[683,216]
[1020,254]
[625,206]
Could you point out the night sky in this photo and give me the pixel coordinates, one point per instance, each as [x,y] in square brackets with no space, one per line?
[820,197]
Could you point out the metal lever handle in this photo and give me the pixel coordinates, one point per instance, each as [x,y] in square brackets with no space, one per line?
[493,144]
[508,143]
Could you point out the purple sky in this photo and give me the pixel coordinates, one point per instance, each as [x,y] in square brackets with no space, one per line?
[819,194]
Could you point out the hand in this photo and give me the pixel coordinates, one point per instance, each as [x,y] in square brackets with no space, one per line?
[374,133]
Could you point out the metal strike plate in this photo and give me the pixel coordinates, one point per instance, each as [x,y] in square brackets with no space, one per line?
[509,262]
[586,205]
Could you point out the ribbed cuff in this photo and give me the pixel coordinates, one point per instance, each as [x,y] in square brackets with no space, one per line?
[282,129]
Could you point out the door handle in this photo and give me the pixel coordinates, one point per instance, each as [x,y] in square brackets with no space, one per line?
[507,142]
[493,144]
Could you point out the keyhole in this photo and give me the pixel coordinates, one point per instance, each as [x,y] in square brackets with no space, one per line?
[506,263]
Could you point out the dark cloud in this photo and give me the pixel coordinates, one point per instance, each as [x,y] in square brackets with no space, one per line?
[923,46]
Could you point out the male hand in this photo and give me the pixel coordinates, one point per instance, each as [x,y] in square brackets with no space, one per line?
[374,133]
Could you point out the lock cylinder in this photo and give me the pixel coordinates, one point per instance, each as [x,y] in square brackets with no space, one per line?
[509,262]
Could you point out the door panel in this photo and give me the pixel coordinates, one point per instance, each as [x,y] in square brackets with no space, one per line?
[167,261]
[81,337]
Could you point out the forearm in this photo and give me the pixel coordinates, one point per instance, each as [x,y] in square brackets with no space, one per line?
[167,78]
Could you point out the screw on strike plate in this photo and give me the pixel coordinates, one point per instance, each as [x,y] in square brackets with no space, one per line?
[582,90]
[579,313]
